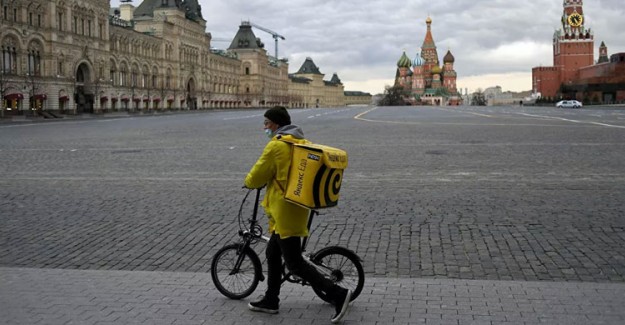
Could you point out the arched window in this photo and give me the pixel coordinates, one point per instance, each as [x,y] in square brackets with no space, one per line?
[80,76]
[34,59]
[60,65]
[60,19]
[154,77]
[113,73]
[123,75]
[134,76]
[9,56]
[145,77]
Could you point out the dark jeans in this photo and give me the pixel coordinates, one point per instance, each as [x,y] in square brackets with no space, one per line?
[291,249]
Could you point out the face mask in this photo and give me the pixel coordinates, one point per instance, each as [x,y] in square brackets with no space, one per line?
[269,133]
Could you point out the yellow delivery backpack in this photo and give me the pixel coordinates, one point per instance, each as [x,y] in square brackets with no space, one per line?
[315,175]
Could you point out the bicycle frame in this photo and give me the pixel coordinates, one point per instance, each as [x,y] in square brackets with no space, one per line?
[255,233]
[336,263]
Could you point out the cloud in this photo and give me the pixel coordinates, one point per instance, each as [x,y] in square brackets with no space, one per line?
[509,57]
[495,40]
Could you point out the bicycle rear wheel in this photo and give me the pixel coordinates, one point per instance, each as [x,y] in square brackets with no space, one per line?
[236,284]
[342,266]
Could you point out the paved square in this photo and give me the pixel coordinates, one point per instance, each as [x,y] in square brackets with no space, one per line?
[465,215]
[54,296]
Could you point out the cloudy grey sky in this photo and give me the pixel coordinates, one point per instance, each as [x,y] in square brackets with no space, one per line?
[495,42]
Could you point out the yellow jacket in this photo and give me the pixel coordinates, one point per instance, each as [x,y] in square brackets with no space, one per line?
[272,168]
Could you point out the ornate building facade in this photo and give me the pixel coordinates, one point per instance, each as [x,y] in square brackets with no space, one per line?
[310,90]
[424,78]
[574,73]
[82,56]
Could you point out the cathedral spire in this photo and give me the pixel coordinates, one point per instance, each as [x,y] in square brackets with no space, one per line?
[428,49]
[428,42]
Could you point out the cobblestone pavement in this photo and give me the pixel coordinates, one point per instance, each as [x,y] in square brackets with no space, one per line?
[53,296]
[468,193]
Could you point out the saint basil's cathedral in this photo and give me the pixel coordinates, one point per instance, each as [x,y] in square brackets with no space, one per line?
[424,80]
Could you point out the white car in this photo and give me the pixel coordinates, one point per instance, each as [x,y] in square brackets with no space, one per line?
[568,104]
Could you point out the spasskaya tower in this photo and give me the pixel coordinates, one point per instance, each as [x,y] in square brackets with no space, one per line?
[573,45]
[573,48]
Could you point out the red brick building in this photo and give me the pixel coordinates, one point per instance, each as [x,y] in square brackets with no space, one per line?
[574,73]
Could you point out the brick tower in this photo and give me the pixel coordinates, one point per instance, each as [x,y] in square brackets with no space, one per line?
[573,49]
[603,53]
[573,45]
[429,54]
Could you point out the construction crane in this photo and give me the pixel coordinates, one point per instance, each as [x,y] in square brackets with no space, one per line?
[275,35]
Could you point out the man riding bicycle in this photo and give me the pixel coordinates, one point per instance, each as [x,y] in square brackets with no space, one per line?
[287,221]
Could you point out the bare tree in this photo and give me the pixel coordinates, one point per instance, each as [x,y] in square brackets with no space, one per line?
[97,86]
[175,99]
[478,98]
[162,88]
[4,86]
[32,83]
[394,96]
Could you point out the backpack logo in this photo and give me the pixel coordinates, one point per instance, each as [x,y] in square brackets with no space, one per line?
[314,157]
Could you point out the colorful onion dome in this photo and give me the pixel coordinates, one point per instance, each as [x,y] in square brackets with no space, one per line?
[418,61]
[449,58]
[404,61]
[429,20]
[436,70]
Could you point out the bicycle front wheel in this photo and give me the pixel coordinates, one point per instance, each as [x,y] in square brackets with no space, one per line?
[342,266]
[232,281]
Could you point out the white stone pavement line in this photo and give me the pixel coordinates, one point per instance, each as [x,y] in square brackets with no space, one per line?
[361,117]
[573,121]
[57,296]
[330,112]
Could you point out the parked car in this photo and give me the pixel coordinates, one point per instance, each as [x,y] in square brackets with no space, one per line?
[568,104]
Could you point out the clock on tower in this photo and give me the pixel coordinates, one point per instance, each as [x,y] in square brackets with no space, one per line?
[575,19]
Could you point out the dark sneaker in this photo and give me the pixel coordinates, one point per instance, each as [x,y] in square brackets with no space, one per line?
[340,305]
[264,306]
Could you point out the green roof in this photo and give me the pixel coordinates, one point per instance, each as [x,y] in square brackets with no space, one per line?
[335,79]
[356,93]
[300,80]
[191,8]
[309,67]
[245,38]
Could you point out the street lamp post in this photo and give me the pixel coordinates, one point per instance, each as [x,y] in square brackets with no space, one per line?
[2,91]
[31,87]
[132,97]
[96,96]
[538,86]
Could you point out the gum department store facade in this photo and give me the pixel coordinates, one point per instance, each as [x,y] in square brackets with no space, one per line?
[73,56]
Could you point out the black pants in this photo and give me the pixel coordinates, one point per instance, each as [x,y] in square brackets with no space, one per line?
[291,249]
